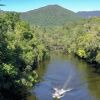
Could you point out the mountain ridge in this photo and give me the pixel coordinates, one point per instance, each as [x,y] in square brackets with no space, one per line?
[89,14]
[50,15]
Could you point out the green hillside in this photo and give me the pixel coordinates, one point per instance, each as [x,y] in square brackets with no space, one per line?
[49,16]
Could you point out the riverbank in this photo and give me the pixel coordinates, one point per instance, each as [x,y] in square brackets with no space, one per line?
[56,72]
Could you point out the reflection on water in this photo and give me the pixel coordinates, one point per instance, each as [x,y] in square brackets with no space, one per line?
[55,72]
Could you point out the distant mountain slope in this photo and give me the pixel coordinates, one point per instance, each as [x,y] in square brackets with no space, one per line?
[49,16]
[89,14]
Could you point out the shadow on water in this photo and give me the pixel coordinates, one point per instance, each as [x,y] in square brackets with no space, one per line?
[54,73]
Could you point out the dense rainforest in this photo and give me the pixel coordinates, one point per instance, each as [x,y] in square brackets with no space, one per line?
[80,38]
[20,52]
[22,47]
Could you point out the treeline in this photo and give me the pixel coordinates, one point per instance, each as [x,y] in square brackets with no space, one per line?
[84,40]
[20,52]
[22,47]
[81,38]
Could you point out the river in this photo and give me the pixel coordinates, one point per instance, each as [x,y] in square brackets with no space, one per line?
[56,71]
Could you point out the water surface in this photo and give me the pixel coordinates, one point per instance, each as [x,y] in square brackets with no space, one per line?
[56,72]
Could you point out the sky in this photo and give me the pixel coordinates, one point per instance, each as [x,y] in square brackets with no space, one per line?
[26,5]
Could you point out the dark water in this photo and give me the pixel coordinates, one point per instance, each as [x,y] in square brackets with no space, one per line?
[55,73]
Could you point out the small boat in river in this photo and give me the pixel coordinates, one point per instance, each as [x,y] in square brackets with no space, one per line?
[59,93]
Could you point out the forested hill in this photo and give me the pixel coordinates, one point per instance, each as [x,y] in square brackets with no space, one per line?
[89,14]
[50,15]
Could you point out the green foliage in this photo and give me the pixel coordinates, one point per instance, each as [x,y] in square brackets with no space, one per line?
[20,51]
[98,57]
[81,53]
[9,69]
[81,38]
[22,47]
[52,15]
[29,79]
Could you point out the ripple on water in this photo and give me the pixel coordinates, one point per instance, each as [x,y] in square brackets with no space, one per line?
[56,75]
